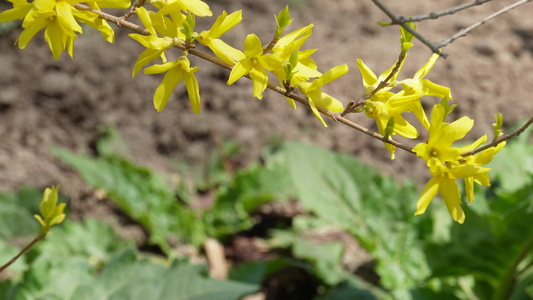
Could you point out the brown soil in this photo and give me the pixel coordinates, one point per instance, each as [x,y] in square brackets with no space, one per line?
[44,102]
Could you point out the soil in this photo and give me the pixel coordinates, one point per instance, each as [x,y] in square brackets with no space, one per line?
[65,103]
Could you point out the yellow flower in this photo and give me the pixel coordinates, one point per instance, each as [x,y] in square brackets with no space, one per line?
[173,7]
[175,73]
[416,87]
[316,97]
[255,63]
[478,159]
[210,38]
[155,46]
[446,164]
[377,107]
[56,16]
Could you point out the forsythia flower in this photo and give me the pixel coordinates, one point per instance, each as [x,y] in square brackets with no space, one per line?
[59,19]
[210,38]
[377,107]
[316,97]
[173,8]
[416,87]
[255,63]
[56,16]
[155,46]
[446,163]
[176,71]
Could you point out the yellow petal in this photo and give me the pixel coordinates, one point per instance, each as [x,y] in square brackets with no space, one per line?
[369,78]
[227,22]
[429,192]
[450,193]
[145,19]
[66,18]
[240,69]
[156,69]
[469,189]
[55,38]
[162,94]
[29,32]
[193,90]
[425,69]
[225,52]
[196,7]
[147,56]
[316,112]
[260,80]
[252,46]
[326,101]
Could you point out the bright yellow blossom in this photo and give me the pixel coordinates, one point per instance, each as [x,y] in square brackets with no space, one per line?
[316,97]
[377,107]
[210,38]
[255,63]
[413,88]
[155,46]
[446,163]
[175,73]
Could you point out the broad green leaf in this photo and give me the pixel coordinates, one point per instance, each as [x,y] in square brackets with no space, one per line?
[141,193]
[16,213]
[343,192]
[125,278]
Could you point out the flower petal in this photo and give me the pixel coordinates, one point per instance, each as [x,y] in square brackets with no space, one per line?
[369,78]
[429,192]
[162,94]
[193,90]
[450,193]
[252,46]
[239,70]
[425,69]
[260,80]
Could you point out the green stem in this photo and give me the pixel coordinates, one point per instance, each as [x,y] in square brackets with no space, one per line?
[14,259]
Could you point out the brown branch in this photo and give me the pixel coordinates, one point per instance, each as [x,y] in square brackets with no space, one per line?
[277,89]
[436,15]
[14,259]
[396,19]
[500,139]
[465,31]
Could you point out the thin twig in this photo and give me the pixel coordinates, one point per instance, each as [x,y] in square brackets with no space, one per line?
[271,86]
[14,259]
[500,139]
[436,15]
[464,31]
[396,19]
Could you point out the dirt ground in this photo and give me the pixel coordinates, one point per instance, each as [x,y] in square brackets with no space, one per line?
[44,102]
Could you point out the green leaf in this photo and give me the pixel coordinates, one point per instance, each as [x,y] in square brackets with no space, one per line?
[16,213]
[125,278]
[249,189]
[141,193]
[345,193]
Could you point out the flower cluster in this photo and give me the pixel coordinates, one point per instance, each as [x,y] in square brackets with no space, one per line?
[60,20]
[446,163]
[386,99]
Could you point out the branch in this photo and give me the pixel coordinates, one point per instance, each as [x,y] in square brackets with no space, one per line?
[500,139]
[14,259]
[464,31]
[397,19]
[275,88]
[436,15]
